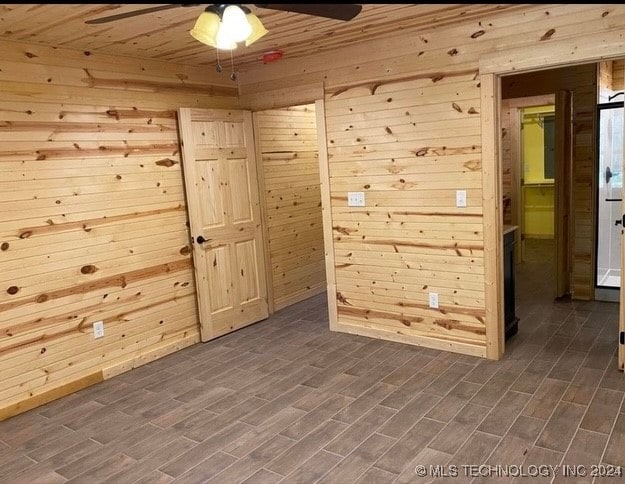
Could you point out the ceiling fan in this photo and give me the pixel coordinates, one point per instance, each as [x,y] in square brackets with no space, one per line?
[223,25]
[338,11]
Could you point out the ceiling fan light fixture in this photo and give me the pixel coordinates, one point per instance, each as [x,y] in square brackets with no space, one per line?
[258,29]
[206,28]
[235,23]
[224,41]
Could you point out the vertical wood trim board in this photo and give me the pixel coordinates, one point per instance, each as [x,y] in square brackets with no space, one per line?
[493,219]
[93,223]
[288,147]
[326,207]
[563,184]
[260,173]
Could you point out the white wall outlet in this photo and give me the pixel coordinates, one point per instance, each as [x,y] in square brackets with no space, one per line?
[461,198]
[355,199]
[98,329]
[433,298]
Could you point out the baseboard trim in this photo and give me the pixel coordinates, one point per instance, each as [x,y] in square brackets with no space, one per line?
[291,299]
[97,377]
[50,395]
[434,343]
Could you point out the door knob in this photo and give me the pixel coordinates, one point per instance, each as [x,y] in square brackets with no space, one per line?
[200,239]
[608,174]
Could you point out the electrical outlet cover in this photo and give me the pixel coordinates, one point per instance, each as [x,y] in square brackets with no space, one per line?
[433,299]
[355,199]
[461,198]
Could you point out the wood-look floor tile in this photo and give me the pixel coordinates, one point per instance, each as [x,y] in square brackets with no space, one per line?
[451,403]
[155,477]
[614,451]
[154,460]
[206,469]
[583,386]
[376,476]
[585,450]
[538,456]
[269,409]
[254,461]
[406,392]
[602,411]
[494,388]
[459,429]
[360,430]
[364,403]
[514,446]
[354,465]
[503,415]
[416,438]
[313,469]
[263,476]
[545,399]
[475,450]
[301,451]
[399,423]
[429,458]
[107,469]
[310,421]
[288,401]
[561,426]
[197,454]
[262,433]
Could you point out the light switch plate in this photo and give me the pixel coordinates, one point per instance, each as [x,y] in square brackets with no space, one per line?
[433,299]
[355,199]
[461,198]
[98,329]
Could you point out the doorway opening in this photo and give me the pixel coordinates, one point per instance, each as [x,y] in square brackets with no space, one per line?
[290,197]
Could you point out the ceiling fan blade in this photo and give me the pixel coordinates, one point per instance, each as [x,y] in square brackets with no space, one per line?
[336,11]
[134,13]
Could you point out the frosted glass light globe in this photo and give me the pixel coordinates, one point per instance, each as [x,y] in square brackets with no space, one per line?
[237,25]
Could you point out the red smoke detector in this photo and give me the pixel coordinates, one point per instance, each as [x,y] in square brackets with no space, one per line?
[272,56]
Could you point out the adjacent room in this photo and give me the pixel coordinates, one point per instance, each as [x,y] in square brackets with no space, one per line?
[308,243]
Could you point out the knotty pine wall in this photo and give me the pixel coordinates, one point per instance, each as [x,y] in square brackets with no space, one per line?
[292,199]
[618,75]
[404,126]
[93,222]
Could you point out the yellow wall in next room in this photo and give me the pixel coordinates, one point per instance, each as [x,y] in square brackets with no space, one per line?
[538,211]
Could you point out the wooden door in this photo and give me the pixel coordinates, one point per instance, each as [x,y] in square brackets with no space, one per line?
[219,166]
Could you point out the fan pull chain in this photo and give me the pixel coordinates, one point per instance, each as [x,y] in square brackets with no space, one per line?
[218,64]
[233,75]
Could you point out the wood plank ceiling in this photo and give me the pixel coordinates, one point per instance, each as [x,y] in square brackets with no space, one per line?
[164,35]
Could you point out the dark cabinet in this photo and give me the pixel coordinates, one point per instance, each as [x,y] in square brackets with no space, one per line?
[511,321]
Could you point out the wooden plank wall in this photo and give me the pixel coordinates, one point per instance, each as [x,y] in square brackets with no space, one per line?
[618,76]
[290,166]
[582,82]
[409,239]
[93,223]
[404,115]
